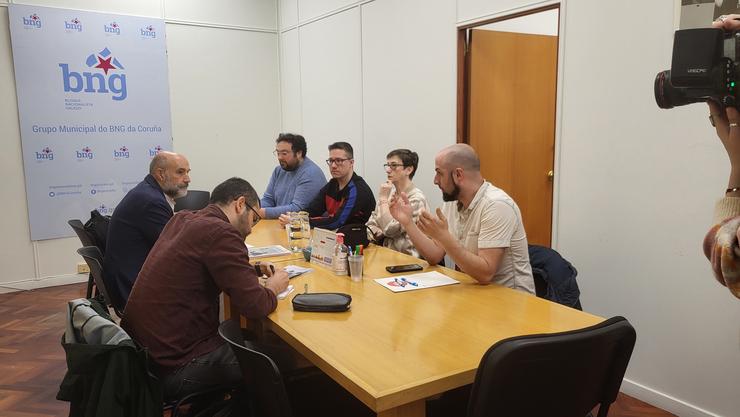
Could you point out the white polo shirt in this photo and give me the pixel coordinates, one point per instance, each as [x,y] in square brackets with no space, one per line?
[493,220]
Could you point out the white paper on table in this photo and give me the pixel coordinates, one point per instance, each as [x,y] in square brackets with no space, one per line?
[401,283]
[285,292]
[295,270]
[265,251]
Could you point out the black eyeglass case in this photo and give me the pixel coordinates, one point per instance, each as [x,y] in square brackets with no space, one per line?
[322,302]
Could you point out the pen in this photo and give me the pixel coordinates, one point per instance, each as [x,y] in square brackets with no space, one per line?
[357,249]
[401,283]
[409,282]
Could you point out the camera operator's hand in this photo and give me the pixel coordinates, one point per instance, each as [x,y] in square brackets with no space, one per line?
[727,124]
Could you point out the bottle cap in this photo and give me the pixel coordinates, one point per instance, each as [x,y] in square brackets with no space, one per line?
[340,238]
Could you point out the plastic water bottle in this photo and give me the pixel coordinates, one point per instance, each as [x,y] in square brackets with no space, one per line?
[339,261]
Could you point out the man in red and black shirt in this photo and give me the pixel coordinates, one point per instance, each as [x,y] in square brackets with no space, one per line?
[346,198]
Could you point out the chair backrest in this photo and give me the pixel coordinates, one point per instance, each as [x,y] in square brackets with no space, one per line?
[554,277]
[556,375]
[193,200]
[94,260]
[261,376]
[79,228]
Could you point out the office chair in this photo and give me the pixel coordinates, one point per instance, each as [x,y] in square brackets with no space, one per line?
[86,240]
[262,378]
[94,260]
[193,200]
[556,375]
[554,277]
[298,392]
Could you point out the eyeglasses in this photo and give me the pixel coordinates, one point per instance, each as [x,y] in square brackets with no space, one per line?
[393,166]
[257,216]
[338,161]
[280,153]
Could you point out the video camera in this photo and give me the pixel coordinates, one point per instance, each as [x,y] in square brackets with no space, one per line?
[704,67]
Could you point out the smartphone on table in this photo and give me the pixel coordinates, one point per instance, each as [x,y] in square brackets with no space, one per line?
[394,269]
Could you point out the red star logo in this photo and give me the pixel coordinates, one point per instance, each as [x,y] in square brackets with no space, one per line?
[105,64]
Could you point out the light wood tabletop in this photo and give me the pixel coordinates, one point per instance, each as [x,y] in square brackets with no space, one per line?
[394,350]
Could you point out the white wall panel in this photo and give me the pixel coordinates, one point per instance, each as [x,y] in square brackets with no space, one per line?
[288,13]
[290,82]
[225,109]
[309,9]
[474,9]
[409,55]
[250,13]
[636,191]
[542,23]
[16,250]
[130,7]
[331,84]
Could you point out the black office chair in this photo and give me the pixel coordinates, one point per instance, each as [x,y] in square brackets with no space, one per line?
[193,200]
[94,260]
[556,375]
[86,240]
[554,277]
[269,394]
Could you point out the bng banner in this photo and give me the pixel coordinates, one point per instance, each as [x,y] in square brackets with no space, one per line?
[93,104]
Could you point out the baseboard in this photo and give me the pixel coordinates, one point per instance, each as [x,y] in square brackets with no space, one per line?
[663,401]
[33,284]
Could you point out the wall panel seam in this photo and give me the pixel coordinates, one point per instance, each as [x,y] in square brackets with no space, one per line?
[325,15]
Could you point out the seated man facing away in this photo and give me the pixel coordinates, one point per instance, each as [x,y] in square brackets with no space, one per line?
[346,198]
[173,310]
[479,227]
[138,220]
[295,182]
[400,167]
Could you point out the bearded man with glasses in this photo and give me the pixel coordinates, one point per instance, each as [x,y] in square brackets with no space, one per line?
[173,310]
[295,182]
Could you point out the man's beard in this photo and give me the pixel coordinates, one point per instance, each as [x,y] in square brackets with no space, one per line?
[175,191]
[452,196]
[287,167]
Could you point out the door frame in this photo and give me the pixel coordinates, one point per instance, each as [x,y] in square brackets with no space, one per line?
[463,89]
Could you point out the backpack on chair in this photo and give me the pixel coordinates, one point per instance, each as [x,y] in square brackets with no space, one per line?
[97,228]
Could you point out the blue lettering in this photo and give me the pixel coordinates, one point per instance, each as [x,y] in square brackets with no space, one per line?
[120,89]
[86,155]
[120,154]
[31,22]
[67,76]
[89,83]
[73,26]
[109,29]
[42,155]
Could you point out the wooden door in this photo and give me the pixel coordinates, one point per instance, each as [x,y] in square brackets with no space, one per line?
[511,119]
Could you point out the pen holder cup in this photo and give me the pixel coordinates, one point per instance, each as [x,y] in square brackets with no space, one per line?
[355,267]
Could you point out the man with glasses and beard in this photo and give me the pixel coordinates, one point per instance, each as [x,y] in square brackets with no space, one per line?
[479,226]
[346,198]
[295,182]
[138,220]
[173,310]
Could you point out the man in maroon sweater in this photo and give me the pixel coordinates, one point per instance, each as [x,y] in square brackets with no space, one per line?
[173,309]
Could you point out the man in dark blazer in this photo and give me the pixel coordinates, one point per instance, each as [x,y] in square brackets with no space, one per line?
[138,220]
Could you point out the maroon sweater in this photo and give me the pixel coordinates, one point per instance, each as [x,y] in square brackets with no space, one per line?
[173,309]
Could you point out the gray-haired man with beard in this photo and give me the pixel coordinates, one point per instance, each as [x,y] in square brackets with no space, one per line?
[139,219]
[479,226]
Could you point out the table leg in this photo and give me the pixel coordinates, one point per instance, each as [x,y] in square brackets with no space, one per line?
[414,409]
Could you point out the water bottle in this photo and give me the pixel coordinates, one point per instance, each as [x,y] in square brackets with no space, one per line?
[305,229]
[339,261]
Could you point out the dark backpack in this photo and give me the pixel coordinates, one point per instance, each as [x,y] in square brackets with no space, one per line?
[354,234]
[97,228]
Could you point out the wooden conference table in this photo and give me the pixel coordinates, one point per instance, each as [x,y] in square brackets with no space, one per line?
[394,350]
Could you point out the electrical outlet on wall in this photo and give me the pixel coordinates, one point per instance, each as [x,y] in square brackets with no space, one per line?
[82,268]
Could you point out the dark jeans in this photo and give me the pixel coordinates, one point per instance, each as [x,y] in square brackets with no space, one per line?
[218,367]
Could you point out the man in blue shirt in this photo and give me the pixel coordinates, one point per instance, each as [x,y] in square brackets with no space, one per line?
[295,182]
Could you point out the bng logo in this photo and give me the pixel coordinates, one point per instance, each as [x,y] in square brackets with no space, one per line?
[73,25]
[155,150]
[95,82]
[85,153]
[32,21]
[105,210]
[46,154]
[122,152]
[113,28]
[148,32]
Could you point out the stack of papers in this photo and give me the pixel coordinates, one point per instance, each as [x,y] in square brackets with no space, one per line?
[412,282]
[285,293]
[295,270]
[265,251]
